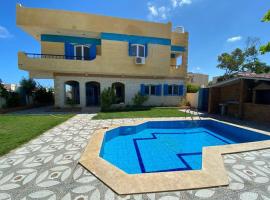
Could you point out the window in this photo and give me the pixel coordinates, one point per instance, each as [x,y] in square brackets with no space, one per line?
[175,89]
[172,90]
[153,90]
[137,50]
[146,90]
[179,61]
[82,52]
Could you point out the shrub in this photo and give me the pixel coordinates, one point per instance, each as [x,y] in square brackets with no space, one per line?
[192,88]
[107,99]
[13,100]
[139,100]
[70,102]
[28,86]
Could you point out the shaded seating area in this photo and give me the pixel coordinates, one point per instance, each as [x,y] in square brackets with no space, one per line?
[246,97]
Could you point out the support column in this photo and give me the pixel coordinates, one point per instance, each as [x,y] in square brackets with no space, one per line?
[59,92]
[82,94]
[241,98]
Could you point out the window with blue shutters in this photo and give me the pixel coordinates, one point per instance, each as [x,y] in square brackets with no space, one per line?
[69,51]
[173,90]
[165,89]
[80,52]
[153,90]
[181,90]
[142,90]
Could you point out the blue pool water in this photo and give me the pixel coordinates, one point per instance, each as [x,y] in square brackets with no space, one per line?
[169,145]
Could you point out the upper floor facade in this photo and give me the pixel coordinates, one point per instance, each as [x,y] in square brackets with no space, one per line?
[78,43]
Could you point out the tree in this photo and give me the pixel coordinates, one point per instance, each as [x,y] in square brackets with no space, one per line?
[43,95]
[239,60]
[231,62]
[3,90]
[266,48]
[28,86]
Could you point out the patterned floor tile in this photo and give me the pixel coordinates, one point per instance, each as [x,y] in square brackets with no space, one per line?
[47,168]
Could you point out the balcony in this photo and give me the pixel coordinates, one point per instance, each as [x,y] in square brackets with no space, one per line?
[48,65]
[58,63]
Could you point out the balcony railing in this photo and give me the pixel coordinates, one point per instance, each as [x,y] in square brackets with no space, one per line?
[53,56]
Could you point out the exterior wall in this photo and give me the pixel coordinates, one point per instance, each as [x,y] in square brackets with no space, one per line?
[213,100]
[132,86]
[55,48]
[193,98]
[230,93]
[2,102]
[257,112]
[112,56]
[38,20]
[198,79]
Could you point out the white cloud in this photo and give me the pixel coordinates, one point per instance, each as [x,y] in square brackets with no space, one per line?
[4,33]
[152,10]
[157,12]
[198,68]
[180,3]
[234,39]
[162,12]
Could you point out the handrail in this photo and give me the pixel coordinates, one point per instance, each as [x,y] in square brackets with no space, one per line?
[55,56]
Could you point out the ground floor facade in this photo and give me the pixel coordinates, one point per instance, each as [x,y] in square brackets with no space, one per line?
[85,91]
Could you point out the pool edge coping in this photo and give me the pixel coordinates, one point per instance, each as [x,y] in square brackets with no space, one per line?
[212,174]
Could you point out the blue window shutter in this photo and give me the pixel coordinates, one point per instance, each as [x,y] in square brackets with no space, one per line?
[158,90]
[165,90]
[142,90]
[69,51]
[181,90]
[92,52]
[129,49]
[146,50]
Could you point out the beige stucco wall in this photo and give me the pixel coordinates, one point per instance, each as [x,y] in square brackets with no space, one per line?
[55,48]
[132,86]
[36,21]
[193,99]
[198,79]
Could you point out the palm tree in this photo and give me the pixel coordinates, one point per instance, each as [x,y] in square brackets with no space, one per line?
[28,86]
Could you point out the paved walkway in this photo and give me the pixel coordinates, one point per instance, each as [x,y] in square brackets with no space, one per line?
[47,168]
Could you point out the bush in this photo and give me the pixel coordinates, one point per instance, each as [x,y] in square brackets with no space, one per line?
[107,99]
[42,96]
[13,100]
[138,99]
[70,102]
[192,88]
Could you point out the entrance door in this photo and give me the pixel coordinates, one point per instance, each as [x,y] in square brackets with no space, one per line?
[92,93]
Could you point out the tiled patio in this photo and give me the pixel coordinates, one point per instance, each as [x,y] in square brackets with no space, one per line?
[47,168]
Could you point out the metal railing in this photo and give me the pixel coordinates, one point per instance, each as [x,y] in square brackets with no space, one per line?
[54,56]
[192,112]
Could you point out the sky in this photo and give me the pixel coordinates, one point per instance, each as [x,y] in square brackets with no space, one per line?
[214,26]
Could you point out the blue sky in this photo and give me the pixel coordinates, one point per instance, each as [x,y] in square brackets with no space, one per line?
[215,26]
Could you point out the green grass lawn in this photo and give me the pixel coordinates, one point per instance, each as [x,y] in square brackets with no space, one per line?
[147,112]
[18,129]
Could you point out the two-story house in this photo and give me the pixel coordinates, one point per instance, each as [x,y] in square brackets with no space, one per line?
[85,53]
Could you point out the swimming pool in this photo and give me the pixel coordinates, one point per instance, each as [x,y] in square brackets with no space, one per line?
[162,146]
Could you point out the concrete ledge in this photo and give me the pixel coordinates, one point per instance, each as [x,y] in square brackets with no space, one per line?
[212,174]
